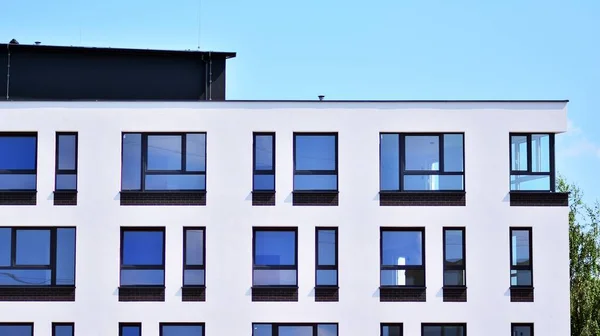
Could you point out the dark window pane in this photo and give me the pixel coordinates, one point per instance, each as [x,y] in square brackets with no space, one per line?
[327,330]
[143,247]
[63,330]
[20,277]
[274,277]
[402,248]
[131,174]
[262,330]
[540,153]
[518,145]
[275,248]
[453,153]
[422,152]
[390,162]
[520,278]
[164,152]
[454,331]
[175,182]
[130,331]
[17,152]
[315,182]
[392,330]
[195,148]
[16,330]
[520,247]
[33,247]
[326,277]
[264,182]
[432,331]
[65,257]
[17,181]
[315,152]
[529,182]
[194,240]
[193,277]
[454,247]
[296,331]
[5,246]
[182,330]
[66,151]
[522,331]
[433,182]
[403,277]
[263,149]
[66,182]
[142,277]
[454,278]
[326,247]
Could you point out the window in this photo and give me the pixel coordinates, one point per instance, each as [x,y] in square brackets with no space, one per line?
[181,329]
[163,162]
[327,257]
[450,329]
[18,161]
[532,162]
[142,256]
[66,161]
[520,257]
[391,329]
[37,256]
[287,329]
[16,329]
[275,257]
[130,329]
[421,162]
[403,257]
[193,257]
[454,257]
[522,329]
[63,329]
[315,162]
[264,162]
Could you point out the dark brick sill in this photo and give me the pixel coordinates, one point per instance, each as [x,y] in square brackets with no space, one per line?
[163,198]
[402,294]
[422,198]
[263,197]
[39,294]
[65,197]
[454,293]
[141,293]
[538,198]
[275,293]
[327,294]
[521,294]
[315,197]
[25,197]
[193,293]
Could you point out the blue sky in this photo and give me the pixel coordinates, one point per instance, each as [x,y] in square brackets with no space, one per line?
[384,49]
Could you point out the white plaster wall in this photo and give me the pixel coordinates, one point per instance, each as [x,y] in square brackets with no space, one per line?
[229,216]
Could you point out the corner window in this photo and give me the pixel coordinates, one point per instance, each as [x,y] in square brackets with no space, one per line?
[142,256]
[263,171]
[327,257]
[16,329]
[290,329]
[63,329]
[315,162]
[37,256]
[391,329]
[450,329]
[421,162]
[18,161]
[403,257]
[454,257]
[275,257]
[182,329]
[193,257]
[522,329]
[520,257]
[163,162]
[66,161]
[130,329]
[532,162]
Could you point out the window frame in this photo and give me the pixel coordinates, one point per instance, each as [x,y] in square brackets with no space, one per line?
[447,267]
[275,326]
[129,324]
[144,161]
[58,171]
[181,324]
[383,267]
[402,161]
[424,325]
[22,171]
[162,267]
[317,171]
[551,174]
[262,171]
[513,325]
[327,267]
[383,325]
[520,267]
[274,267]
[14,324]
[194,267]
[62,324]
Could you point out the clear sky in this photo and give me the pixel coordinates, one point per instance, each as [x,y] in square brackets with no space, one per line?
[381,49]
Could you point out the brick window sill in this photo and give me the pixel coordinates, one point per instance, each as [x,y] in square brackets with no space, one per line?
[141,293]
[327,293]
[37,293]
[263,197]
[539,198]
[193,293]
[65,197]
[315,197]
[454,293]
[402,294]
[22,197]
[158,198]
[275,293]
[422,198]
[521,294]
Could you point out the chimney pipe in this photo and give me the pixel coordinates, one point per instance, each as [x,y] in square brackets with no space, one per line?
[321,97]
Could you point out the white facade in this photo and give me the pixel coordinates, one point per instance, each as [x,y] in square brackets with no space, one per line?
[229,216]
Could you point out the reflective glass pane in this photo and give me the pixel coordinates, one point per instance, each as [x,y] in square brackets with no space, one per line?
[453,246]
[326,247]
[522,331]
[327,330]
[540,153]
[65,257]
[403,277]
[326,277]
[17,152]
[194,247]
[130,331]
[192,277]
[432,331]
[142,247]
[262,330]
[454,331]
[433,182]
[296,331]
[422,152]
[453,153]
[33,247]
[131,171]
[263,151]
[175,182]
[454,278]
[520,247]
[264,182]
[395,330]
[63,330]
[275,248]
[66,182]
[182,330]
[518,147]
[315,182]
[142,277]
[17,181]
[16,330]
[67,148]
[530,182]
[164,152]
[5,246]
[389,168]
[521,278]
[21,277]
[195,148]
[274,277]
[315,152]
[402,247]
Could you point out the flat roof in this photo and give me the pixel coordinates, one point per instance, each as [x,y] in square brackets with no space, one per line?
[302,101]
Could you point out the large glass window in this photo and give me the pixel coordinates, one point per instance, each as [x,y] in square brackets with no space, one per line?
[275,257]
[163,162]
[520,257]
[37,256]
[63,329]
[18,161]
[522,329]
[130,329]
[193,257]
[327,257]
[421,162]
[448,329]
[182,329]
[391,329]
[532,162]
[263,172]
[291,329]
[16,329]
[66,161]
[315,162]
[142,256]
[454,257]
[403,257]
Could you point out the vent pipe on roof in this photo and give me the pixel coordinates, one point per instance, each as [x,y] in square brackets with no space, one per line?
[38,42]
[321,97]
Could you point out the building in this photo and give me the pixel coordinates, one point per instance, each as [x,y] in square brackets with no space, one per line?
[273,218]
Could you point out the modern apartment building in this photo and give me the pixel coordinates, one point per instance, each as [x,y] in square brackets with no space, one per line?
[136,200]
